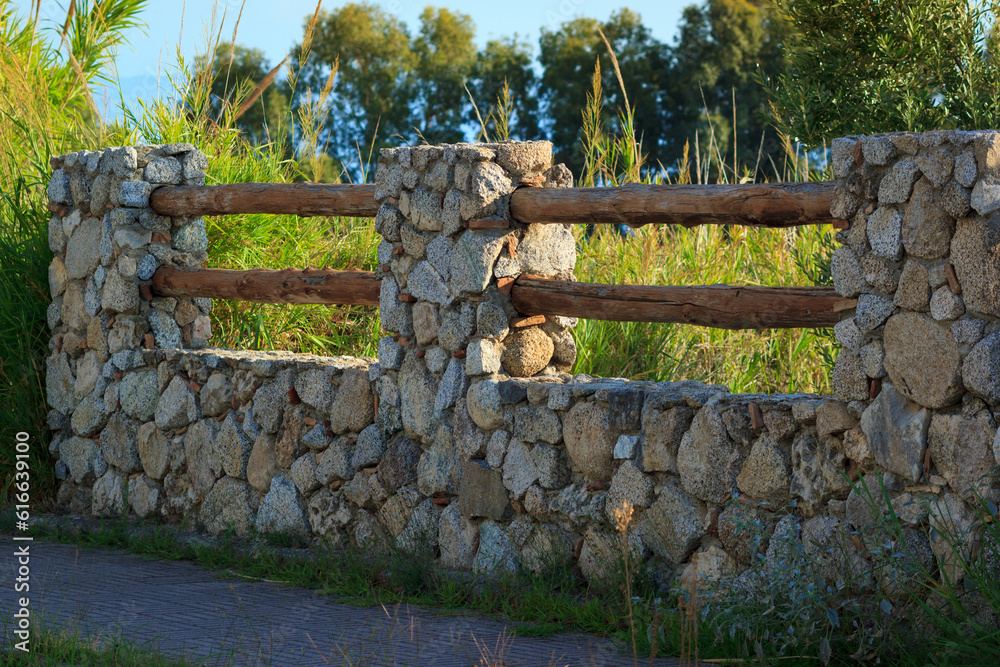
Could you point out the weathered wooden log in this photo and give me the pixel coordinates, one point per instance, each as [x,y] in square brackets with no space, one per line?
[317,286]
[718,306]
[303,199]
[754,205]
[774,205]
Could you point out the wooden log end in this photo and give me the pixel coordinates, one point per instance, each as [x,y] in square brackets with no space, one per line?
[953,284]
[532,181]
[756,417]
[524,322]
[145,292]
[874,387]
[407,298]
[488,223]
[160,237]
[148,342]
[512,246]
[504,285]
[459,354]
[842,305]
[841,224]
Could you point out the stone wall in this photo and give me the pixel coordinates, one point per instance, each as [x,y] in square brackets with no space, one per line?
[469,436]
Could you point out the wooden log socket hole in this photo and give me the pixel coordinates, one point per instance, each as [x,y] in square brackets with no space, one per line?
[953,284]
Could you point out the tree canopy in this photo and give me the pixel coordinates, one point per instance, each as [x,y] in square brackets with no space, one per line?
[861,66]
[393,85]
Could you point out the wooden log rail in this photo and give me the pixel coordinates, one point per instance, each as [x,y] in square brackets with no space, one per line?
[298,286]
[719,306]
[773,205]
[303,199]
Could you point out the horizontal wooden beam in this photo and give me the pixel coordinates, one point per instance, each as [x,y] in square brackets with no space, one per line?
[773,205]
[303,199]
[718,306]
[308,286]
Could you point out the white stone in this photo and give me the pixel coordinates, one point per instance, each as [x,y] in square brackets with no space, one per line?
[885,232]
[626,446]
[482,356]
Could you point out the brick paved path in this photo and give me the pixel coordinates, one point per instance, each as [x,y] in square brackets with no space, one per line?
[181,608]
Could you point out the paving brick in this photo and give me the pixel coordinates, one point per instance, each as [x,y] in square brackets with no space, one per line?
[183,609]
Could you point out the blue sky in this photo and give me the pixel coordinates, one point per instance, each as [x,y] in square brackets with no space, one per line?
[275,26]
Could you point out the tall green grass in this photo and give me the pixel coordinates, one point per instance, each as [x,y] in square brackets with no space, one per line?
[261,240]
[46,108]
[775,360]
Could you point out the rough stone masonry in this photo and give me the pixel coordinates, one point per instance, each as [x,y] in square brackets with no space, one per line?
[470,439]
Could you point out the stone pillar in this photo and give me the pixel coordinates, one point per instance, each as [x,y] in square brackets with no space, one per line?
[108,243]
[920,356]
[448,256]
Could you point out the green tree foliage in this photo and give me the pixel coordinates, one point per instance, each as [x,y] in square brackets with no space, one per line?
[235,72]
[446,57]
[392,87]
[861,66]
[568,56]
[721,46]
[507,60]
[374,78]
